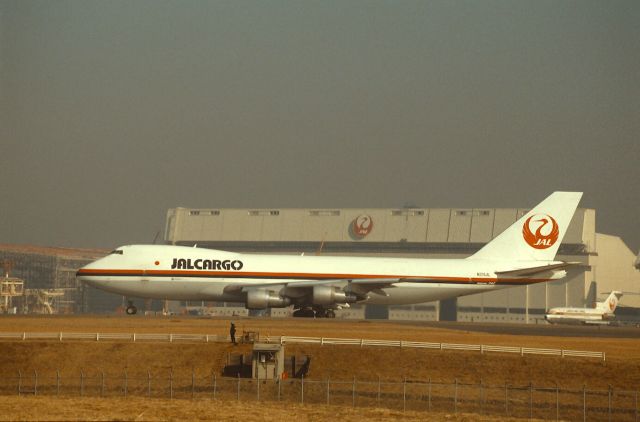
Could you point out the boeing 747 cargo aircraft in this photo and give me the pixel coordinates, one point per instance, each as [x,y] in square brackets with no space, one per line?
[316,285]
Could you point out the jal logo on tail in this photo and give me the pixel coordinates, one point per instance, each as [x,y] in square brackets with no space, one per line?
[546,231]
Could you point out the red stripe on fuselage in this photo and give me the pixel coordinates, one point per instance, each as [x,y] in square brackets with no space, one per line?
[302,276]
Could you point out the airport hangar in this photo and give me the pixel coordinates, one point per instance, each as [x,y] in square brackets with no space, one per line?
[606,263]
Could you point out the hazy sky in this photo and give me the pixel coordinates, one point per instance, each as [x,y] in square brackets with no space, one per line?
[112,112]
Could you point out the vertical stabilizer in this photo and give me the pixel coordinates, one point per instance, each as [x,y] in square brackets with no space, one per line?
[537,235]
[611,303]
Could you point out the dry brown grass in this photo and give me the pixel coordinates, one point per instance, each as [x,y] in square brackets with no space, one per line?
[621,370]
[137,409]
[615,348]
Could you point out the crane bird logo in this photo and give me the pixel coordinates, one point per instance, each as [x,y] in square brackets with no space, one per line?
[361,226]
[546,233]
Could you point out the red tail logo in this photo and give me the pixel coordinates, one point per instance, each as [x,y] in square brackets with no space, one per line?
[541,240]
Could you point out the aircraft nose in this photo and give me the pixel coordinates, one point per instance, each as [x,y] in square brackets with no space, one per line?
[85,271]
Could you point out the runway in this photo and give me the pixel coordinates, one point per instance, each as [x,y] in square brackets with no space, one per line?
[604,331]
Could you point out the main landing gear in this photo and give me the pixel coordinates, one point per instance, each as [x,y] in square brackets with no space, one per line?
[314,312]
[131,310]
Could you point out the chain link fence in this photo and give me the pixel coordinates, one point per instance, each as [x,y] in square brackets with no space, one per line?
[521,401]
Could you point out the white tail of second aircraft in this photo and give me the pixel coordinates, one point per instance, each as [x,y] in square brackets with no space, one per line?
[609,305]
[537,235]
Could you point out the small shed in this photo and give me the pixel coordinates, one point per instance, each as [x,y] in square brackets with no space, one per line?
[267,361]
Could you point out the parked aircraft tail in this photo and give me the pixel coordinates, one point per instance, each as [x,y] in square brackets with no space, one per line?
[537,235]
[611,303]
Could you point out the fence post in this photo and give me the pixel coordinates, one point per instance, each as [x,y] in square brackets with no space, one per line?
[353,393]
[610,392]
[455,397]
[170,383]
[102,383]
[404,394]
[328,382]
[57,382]
[193,382]
[481,402]
[19,382]
[148,383]
[35,384]
[506,399]
[126,382]
[530,400]
[379,390]
[215,385]
[557,403]
[302,390]
[429,400]
[258,384]
[238,389]
[584,402]
[81,383]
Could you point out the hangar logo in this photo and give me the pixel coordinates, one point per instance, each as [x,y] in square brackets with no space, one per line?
[206,264]
[361,226]
[546,234]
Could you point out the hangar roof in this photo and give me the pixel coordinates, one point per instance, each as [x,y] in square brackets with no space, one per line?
[450,227]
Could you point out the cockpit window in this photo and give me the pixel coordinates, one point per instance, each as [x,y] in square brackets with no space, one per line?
[117,252]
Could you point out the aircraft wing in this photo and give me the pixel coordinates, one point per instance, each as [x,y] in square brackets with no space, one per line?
[535,270]
[358,286]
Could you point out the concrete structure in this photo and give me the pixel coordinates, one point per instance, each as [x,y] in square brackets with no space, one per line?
[267,361]
[419,232]
[49,276]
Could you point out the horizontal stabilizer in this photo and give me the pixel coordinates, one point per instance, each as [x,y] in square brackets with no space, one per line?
[535,270]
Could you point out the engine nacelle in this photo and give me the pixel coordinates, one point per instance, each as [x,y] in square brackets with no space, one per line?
[262,299]
[328,295]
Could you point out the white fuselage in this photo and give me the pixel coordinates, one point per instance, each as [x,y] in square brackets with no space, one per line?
[184,273]
[578,316]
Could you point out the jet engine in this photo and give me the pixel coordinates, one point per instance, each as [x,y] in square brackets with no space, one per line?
[328,295]
[263,298]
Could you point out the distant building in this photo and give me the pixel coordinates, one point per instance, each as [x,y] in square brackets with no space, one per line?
[419,232]
[46,268]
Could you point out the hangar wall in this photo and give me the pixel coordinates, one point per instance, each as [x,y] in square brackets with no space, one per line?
[411,232]
[615,267]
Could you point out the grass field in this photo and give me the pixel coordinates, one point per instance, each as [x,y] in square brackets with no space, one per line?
[621,369]
[135,409]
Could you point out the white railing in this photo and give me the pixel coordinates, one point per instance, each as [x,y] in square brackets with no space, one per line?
[482,348]
[207,338]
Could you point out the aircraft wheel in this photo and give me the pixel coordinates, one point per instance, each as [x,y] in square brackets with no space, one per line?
[304,313]
[132,310]
[330,313]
